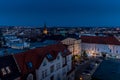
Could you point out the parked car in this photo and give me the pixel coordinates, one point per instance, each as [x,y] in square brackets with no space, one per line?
[86,72]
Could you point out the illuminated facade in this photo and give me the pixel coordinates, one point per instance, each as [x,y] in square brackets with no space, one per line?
[96,45]
[74,45]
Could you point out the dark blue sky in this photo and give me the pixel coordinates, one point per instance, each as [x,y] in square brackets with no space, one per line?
[60,12]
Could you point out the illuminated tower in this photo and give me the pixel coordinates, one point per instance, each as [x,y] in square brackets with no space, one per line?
[45,31]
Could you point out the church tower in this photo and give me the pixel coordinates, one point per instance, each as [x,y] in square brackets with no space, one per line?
[45,31]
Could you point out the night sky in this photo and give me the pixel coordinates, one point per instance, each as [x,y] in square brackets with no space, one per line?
[60,12]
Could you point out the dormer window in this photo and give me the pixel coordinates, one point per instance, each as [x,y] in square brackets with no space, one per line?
[49,56]
[29,65]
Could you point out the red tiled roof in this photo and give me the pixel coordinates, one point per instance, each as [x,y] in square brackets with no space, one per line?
[100,40]
[37,55]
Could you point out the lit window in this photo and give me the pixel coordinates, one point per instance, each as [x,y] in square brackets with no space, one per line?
[3,71]
[110,50]
[8,70]
[98,49]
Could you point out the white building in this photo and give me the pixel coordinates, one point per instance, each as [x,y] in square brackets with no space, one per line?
[95,45]
[15,43]
[74,45]
[49,63]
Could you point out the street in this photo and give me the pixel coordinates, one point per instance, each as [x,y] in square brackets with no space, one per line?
[82,67]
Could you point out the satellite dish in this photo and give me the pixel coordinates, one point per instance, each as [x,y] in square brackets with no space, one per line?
[30,77]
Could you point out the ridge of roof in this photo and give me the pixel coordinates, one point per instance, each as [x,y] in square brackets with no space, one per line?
[100,40]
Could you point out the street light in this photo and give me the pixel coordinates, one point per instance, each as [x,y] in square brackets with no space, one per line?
[81,78]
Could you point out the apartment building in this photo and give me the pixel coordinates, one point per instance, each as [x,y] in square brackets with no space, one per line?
[96,45]
[52,62]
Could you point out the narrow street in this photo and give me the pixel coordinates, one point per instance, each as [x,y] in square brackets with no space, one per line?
[82,67]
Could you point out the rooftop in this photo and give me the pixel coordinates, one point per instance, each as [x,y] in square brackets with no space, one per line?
[100,40]
[36,56]
[32,46]
[108,70]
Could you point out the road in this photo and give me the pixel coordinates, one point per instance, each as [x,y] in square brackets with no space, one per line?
[81,68]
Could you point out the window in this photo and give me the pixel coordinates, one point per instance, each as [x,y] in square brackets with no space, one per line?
[64,72]
[44,73]
[63,61]
[58,66]
[29,65]
[52,68]
[44,63]
[49,56]
[117,51]
[8,69]
[3,71]
[68,58]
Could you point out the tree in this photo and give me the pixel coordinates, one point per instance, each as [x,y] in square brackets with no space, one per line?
[104,55]
[84,55]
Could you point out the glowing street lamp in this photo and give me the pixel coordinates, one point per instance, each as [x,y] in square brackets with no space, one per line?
[81,78]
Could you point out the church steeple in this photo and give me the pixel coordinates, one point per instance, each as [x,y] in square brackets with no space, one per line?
[45,31]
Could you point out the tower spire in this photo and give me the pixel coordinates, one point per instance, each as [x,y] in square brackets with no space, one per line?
[45,31]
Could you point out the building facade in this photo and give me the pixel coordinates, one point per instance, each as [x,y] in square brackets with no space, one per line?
[74,45]
[96,45]
[52,62]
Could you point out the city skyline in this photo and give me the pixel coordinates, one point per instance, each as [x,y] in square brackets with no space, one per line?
[60,13]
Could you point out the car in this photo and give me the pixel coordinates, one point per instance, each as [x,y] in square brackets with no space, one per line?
[86,72]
